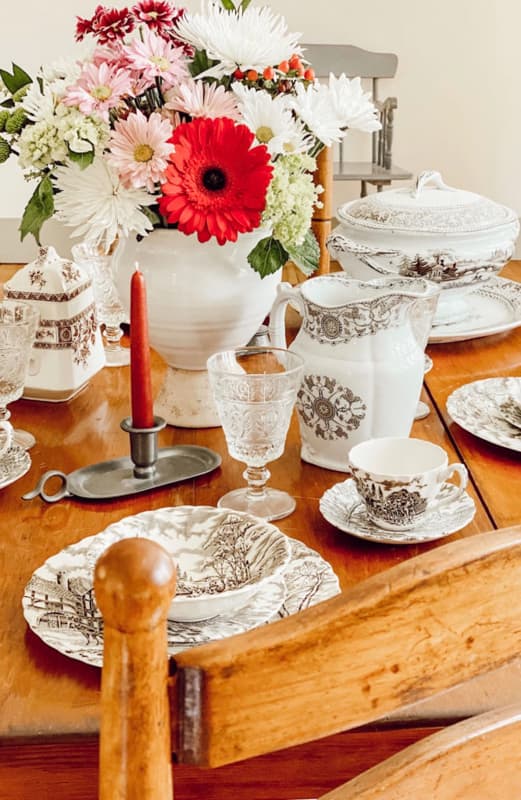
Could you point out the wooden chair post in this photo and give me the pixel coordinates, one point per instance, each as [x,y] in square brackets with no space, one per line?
[134,584]
[321,222]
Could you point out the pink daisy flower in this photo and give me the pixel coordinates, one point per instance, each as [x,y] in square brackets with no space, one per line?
[98,89]
[156,58]
[199,99]
[139,150]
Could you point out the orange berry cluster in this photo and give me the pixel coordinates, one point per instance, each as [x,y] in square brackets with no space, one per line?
[294,68]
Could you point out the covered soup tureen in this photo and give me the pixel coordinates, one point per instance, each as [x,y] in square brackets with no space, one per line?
[452,237]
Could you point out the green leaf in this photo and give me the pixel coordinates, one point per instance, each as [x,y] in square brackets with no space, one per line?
[307,255]
[152,215]
[200,63]
[267,256]
[39,208]
[245,4]
[82,159]
[229,5]
[15,81]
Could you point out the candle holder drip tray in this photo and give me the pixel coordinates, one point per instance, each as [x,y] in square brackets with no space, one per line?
[148,468]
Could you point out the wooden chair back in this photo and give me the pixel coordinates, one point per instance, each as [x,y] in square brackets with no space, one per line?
[403,635]
[355,62]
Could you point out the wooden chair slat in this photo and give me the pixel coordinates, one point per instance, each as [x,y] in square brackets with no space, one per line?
[472,759]
[408,633]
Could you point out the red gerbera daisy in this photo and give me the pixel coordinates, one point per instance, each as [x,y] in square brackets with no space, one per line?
[216,181]
[106,24]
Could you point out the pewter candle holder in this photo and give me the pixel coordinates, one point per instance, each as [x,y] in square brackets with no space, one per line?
[143,446]
[148,467]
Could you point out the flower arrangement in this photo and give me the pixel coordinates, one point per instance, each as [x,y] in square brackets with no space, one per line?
[210,122]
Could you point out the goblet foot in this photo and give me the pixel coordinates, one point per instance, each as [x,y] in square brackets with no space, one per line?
[422,410]
[115,354]
[269,504]
[23,438]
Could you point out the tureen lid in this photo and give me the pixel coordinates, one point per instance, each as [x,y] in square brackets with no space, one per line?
[429,207]
[48,277]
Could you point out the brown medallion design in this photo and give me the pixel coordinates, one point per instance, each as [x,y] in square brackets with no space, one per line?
[331,410]
[36,278]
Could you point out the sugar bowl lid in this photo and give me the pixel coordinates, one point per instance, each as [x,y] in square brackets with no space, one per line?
[48,277]
[430,207]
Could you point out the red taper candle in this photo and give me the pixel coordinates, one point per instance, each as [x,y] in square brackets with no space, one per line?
[140,380]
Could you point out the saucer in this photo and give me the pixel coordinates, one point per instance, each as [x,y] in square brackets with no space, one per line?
[13,464]
[343,507]
[476,407]
[59,605]
[494,307]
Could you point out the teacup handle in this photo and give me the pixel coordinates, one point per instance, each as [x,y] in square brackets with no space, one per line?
[454,469]
[8,428]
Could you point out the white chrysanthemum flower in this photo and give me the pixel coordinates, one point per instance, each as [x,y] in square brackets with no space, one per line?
[354,106]
[314,105]
[41,145]
[199,99]
[97,205]
[61,73]
[39,104]
[271,120]
[251,39]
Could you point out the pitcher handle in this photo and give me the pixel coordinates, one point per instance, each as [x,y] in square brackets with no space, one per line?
[277,327]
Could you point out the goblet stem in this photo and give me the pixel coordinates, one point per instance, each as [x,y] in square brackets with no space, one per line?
[115,355]
[256,478]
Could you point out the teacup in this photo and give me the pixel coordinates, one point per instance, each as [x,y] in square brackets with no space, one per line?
[6,438]
[399,479]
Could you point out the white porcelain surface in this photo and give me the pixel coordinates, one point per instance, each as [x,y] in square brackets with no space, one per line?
[453,237]
[13,464]
[476,407]
[363,348]
[68,349]
[222,557]
[202,297]
[343,507]
[399,480]
[60,608]
[492,308]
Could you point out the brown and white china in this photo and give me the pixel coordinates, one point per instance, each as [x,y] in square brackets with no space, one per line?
[399,479]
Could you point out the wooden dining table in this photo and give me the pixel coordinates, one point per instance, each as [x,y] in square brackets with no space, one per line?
[49,703]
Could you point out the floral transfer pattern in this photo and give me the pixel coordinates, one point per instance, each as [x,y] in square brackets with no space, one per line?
[331,410]
[77,334]
[464,217]
[363,318]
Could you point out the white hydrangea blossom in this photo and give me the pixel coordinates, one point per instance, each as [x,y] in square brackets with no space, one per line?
[41,145]
[82,134]
[290,199]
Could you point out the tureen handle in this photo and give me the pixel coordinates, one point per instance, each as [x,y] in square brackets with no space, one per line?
[433,177]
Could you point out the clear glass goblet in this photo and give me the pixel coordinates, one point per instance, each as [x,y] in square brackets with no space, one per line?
[18,324]
[110,311]
[255,389]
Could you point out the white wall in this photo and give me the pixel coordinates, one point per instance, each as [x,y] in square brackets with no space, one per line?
[457,84]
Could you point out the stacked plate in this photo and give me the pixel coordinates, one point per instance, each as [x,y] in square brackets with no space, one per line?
[60,607]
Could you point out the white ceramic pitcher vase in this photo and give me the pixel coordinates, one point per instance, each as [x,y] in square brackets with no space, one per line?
[363,346]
